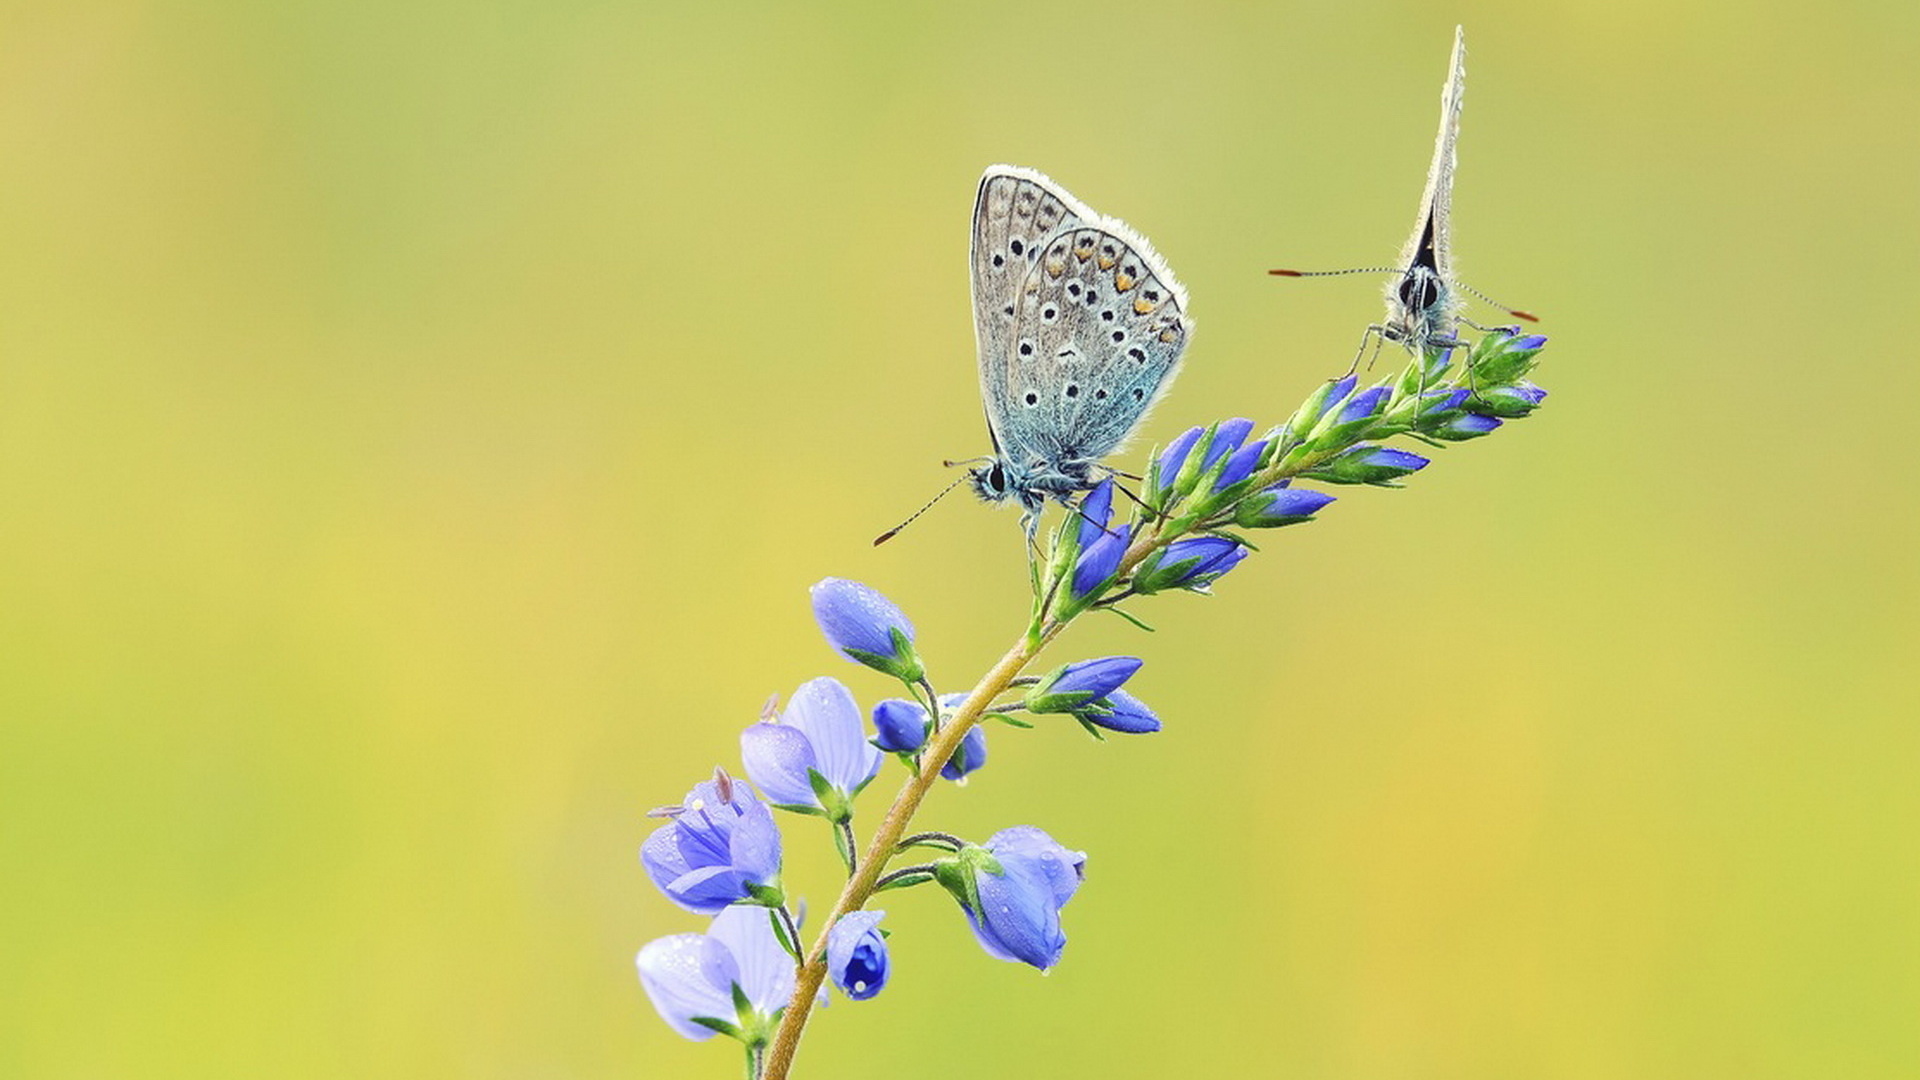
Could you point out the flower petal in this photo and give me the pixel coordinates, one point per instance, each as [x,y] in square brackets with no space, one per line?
[766,971]
[824,711]
[777,758]
[688,975]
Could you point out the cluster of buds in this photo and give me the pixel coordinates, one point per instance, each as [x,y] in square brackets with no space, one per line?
[1212,483]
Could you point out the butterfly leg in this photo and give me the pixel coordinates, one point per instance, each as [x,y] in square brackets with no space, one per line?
[1373,335]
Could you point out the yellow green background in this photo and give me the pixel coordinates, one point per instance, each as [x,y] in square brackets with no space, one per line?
[419,425]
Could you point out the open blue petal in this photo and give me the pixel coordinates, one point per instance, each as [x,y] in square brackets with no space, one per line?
[688,975]
[766,971]
[707,890]
[777,758]
[755,850]
[824,711]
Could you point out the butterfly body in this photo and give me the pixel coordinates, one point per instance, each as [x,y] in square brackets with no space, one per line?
[1080,327]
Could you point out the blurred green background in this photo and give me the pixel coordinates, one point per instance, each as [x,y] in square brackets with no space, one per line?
[419,425]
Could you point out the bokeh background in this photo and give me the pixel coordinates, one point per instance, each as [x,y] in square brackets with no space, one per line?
[419,425]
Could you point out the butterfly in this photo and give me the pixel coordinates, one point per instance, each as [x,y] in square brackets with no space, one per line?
[1423,305]
[1080,327]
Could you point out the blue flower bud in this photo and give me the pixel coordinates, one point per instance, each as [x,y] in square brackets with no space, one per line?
[857,954]
[866,627]
[902,725]
[968,756]
[1369,464]
[1193,563]
[1335,393]
[1012,889]
[1465,426]
[720,847]
[1240,465]
[1166,471]
[1227,438]
[1363,405]
[1095,511]
[1124,713]
[1083,681]
[1098,563]
[1511,402]
[1279,505]
[1499,360]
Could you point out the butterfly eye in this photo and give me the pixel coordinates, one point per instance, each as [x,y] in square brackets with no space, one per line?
[997,478]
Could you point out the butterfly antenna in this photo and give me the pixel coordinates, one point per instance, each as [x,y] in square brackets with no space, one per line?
[895,531]
[1337,273]
[1515,312]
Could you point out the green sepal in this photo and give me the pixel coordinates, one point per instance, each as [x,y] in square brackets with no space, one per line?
[780,934]
[959,875]
[742,1007]
[799,808]
[1092,728]
[767,895]
[833,805]
[904,664]
[731,1031]
[1010,720]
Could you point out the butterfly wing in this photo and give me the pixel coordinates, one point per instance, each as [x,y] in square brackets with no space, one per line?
[1423,295]
[1100,325]
[1015,212]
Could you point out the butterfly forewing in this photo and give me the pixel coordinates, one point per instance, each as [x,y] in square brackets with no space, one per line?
[1421,300]
[1014,213]
[1099,328]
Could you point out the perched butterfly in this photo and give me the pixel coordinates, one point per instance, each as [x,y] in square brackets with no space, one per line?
[1080,327]
[1422,301]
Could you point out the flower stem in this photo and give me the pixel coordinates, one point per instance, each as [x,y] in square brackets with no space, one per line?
[887,838]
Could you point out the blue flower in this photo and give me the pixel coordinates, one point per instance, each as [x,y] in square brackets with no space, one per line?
[1369,463]
[1510,402]
[1122,712]
[1193,563]
[1279,505]
[1227,438]
[857,954]
[1074,685]
[1240,465]
[1337,392]
[1012,889]
[866,627]
[1095,511]
[968,756]
[1465,426]
[692,979]
[1098,562]
[1363,405]
[1166,471]
[816,756]
[721,847]
[902,726]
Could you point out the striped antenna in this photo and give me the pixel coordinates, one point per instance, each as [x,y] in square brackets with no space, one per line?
[1335,273]
[911,518]
[1515,312]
